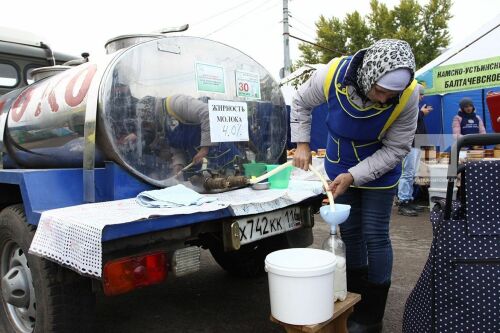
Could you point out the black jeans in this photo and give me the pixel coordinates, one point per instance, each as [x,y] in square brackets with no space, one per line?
[366,231]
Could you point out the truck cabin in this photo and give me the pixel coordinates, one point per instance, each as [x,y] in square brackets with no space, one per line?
[20,53]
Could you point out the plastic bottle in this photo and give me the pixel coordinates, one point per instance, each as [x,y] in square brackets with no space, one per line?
[335,245]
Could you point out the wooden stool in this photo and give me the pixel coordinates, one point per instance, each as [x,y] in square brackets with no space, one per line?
[337,324]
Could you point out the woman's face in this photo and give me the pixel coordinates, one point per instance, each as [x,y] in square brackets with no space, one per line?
[468,109]
[377,94]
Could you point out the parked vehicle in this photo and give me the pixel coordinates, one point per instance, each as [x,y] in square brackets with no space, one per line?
[119,109]
[22,52]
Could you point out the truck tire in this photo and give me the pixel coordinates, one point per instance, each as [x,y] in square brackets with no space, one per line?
[38,295]
[248,261]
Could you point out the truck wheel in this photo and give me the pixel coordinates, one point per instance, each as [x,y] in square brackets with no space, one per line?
[248,261]
[38,295]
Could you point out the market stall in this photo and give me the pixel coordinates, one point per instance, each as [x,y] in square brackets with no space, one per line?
[470,69]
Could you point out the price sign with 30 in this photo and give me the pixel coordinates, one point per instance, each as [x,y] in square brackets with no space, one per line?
[247,84]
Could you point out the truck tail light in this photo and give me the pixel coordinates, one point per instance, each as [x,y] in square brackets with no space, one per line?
[126,274]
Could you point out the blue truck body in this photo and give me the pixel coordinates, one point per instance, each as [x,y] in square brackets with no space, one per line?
[45,189]
[47,293]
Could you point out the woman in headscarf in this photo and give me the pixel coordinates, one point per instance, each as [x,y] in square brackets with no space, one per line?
[467,121]
[372,117]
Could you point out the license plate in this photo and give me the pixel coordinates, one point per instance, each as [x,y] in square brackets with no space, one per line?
[253,228]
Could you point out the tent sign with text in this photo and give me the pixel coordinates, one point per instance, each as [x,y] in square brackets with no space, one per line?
[479,74]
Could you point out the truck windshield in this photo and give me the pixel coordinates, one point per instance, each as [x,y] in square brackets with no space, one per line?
[9,76]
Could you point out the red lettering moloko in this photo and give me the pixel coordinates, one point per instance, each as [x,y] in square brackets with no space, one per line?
[20,104]
[39,106]
[73,101]
[54,107]
[2,103]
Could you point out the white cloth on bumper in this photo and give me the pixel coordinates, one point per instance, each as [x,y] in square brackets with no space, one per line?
[73,236]
[170,197]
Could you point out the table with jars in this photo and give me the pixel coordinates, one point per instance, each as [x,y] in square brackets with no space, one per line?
[433,166]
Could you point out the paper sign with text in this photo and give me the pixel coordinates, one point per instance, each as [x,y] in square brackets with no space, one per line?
[228,121]
[210,78]
[247,84]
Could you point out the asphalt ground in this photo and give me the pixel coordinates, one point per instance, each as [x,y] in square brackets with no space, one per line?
[213,301]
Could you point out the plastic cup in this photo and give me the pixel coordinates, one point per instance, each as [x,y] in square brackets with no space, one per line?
[281,179]
[254,169]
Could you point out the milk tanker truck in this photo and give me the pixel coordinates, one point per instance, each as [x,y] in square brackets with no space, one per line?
[105,130]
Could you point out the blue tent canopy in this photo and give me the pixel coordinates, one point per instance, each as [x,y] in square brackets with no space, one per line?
[445,107]
[470,68]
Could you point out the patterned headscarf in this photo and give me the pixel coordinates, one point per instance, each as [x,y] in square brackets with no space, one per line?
[382,57]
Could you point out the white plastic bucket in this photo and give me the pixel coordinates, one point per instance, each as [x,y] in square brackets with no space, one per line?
[301,285]
[438,176]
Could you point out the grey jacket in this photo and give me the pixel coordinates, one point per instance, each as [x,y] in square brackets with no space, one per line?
[396,141]
[192,111]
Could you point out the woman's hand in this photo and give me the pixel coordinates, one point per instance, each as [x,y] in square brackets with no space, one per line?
[176,169]
[198,158]
[130,138]
[426,109]
[340,184]
[302,156]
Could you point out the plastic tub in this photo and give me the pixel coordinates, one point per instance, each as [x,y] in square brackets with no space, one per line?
[281,179]
[441,193]
[254,169]
[437,175]
[301,285]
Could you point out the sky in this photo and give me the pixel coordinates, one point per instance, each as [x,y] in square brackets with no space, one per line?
[253,26]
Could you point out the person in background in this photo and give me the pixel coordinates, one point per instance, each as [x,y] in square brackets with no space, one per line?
[467,121]
[188,129]
[410,166]
[189,125]
[372,116]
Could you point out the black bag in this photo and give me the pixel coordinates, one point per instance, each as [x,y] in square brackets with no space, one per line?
[459,288]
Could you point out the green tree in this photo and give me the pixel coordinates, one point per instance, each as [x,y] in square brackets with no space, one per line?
[435,34]
[407,25]
[329,31]
[380,21]
[425,28]
[357,31]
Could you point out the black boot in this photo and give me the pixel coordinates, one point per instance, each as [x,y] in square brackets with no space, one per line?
[406,209]
[356,279]
[369,312]
[417,208]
